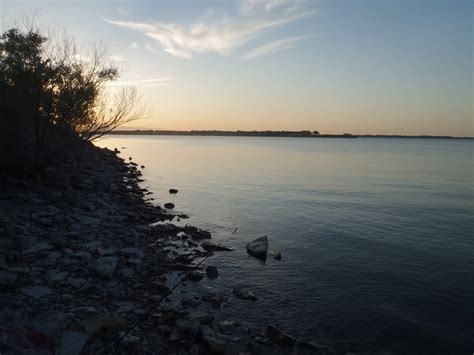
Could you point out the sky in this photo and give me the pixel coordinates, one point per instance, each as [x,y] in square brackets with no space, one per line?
[355,66]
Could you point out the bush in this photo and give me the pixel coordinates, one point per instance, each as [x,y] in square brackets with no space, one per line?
[49,96]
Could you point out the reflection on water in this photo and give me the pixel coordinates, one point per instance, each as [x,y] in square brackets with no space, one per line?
[376,234]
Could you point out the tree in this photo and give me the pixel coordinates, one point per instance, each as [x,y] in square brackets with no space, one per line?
[51,88]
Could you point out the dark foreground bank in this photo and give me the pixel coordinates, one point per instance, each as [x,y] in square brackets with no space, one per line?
[84,265]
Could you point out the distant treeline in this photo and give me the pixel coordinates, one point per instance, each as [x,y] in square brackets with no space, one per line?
[301,134]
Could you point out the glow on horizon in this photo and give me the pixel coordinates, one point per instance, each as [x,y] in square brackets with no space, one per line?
[375,67]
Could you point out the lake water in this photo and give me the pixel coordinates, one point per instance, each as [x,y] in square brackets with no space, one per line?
[376,234]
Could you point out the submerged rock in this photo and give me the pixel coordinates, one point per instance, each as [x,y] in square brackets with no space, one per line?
[197,233]
[195,275]
[169,205]
[280,337]
[276,255]
[208,245]
[244,295]
[212,272]
[258,248]
[226,326]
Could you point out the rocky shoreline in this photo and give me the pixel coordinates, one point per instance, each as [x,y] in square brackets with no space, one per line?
[84,265]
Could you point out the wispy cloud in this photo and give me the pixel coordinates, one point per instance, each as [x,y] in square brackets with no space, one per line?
[223,35]
[154,82]
[273,47]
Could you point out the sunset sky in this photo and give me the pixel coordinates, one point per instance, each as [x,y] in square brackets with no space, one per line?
[358,66]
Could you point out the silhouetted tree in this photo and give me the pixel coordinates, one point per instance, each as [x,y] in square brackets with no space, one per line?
[45,89]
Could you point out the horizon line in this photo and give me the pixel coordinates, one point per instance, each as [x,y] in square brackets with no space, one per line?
[289,133]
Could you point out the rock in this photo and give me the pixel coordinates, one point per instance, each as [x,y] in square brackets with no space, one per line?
[54,255]
[244,295]
[208,245]
[50,323]
[169,205]
[215,343]
[105,265]
[173,191]
[280,337]
[133,252]
[202,317]
[46,262]
[166,227]
[190,302]
[212,272]
[107,251]
[195,275]
[41,246]
[72,343]
[196,233]
[76,282]
[104,326]
[92,246]
[188,326]
[56,275]
[84,310]
[308,344]
[214,298]
[86,220]
[226,326]
[128,272]
[36,291]
[125,308]
[82,255]
[129,340]
[276,255]
[258,248]
[7,278]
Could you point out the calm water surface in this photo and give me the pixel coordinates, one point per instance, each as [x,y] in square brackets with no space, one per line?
[376,234]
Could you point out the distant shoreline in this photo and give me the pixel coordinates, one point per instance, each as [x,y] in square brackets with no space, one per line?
[292,134]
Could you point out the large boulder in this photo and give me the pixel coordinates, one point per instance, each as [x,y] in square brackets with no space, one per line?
[258,248]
